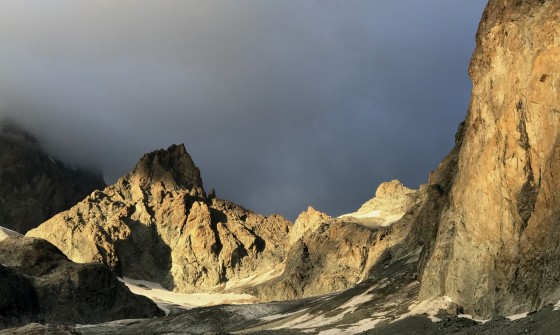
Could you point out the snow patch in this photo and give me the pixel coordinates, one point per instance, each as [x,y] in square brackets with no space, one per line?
[280,316]
[430,307]
[517,316]
[5,233]
[257,278]
[363,325]
[468,316]
[376,213]
[557,306]
[389,220]
[308,321]
[356,328]
[385,220]
[333,331]
[295,322]
[352,304]
[164,297]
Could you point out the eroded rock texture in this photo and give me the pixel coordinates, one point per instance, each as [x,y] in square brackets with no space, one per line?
[491,225]
[333,254]
[34,186]
[307,223]
[157,224]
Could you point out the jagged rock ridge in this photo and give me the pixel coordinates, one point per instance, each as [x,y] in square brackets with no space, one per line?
[331,254]
[34,186]
[307,223]
[157,224]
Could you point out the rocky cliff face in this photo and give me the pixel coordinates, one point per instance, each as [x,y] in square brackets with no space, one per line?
[39,284]
[34,186]
[491,226]
[157,224]
[307,223]
[332,254]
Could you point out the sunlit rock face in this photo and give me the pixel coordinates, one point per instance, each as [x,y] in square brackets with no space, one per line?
[392,200]
[307,223]
[33,186]
[157,224]
[332,254]
[492,229]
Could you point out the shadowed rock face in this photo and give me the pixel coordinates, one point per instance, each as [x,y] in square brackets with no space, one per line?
[490,228]
[33,186]
[39,329]
[39,284]
[157,224]
[18,300]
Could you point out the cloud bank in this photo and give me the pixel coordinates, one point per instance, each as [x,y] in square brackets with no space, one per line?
[282,104]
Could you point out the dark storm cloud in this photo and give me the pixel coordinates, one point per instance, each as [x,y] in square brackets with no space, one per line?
[281,103]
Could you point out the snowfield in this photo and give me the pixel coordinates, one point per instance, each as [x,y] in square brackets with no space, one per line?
[164,298]
[429,307]
[384,219]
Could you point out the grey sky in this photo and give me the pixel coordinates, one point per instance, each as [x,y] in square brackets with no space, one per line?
[282,104]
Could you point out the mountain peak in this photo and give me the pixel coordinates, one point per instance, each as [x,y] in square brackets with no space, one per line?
[306,223]
[393,187]
[172,166]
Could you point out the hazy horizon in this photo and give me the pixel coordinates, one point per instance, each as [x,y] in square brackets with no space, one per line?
[281,104]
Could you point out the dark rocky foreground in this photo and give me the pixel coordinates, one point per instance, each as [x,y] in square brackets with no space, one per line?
[248,319]
[544,322]
[39,284]
[385,298]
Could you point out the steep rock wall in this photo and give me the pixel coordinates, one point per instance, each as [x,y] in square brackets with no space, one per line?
[491,238]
